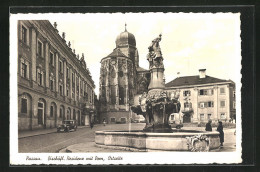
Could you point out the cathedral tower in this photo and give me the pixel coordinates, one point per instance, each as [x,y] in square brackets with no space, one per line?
[117,79]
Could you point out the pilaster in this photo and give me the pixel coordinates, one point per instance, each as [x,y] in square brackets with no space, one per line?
[215,115]
[117,83]
[195,105]
[47,70]
[80,87]
[127,87]
[65,78]
[57,72]
[33,53]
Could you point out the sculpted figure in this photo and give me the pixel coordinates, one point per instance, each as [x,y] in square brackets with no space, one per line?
[142,101]
[155,55]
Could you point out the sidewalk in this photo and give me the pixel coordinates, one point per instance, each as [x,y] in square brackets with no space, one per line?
[28,133]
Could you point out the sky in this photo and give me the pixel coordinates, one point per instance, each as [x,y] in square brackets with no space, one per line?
[190,41]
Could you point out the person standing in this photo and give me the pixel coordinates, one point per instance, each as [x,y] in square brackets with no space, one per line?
[91,125]
[208,126]
[221,133]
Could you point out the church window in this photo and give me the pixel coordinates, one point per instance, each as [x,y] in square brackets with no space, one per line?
[113,95]
[121,96]
[113,73]
[121,74]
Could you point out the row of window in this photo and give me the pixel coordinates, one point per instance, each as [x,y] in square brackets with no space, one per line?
[211,104]
[53,111]
[204,117]
[40,80]
[122,120]
[24,66]
[208,92]
[208,104]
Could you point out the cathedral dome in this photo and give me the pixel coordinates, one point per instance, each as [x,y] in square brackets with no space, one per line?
[125,38]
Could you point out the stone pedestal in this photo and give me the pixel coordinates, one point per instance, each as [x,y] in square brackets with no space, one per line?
[156,81]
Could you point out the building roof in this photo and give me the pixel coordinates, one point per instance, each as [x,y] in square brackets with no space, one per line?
[125,38]
[193,80]
[140,69]
[116,53]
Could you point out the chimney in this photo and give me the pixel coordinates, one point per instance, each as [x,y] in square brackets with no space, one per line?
[178,74]
[202,73]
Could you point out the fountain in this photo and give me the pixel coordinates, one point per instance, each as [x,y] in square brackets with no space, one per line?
[156,106]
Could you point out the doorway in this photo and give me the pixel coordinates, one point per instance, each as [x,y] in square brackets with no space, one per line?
[186,118]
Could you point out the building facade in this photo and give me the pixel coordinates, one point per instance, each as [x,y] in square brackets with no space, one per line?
[204,97]
[54,84]
[121,78]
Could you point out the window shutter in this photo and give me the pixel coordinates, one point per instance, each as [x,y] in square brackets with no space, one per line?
[205,104]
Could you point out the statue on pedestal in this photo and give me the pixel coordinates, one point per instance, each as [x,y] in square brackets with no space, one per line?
[156,105]
[155,55]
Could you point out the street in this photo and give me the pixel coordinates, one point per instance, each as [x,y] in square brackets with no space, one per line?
[55,142]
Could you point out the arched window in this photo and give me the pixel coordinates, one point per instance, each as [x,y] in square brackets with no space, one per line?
[74,114]
[62,112]
[53,109]
[41,111]
[68,113]
[121,95]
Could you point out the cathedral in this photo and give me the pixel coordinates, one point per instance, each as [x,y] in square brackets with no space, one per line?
[122,80]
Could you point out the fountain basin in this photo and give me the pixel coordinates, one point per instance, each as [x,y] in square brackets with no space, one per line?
[176,141]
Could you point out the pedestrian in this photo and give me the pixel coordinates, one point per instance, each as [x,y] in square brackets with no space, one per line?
[91,125]
[104,122]
[221,133]
[208,126]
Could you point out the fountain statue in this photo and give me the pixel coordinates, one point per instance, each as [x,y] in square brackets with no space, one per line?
[157,105]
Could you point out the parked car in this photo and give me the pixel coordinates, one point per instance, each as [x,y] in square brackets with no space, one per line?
[67,126]
[178,126]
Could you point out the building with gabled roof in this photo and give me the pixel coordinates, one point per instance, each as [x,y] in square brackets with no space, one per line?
[203,97]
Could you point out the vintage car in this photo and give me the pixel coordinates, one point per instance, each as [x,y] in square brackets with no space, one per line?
[67,126]
[178,126]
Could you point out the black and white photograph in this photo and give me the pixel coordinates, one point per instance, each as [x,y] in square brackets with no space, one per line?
[125,88]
